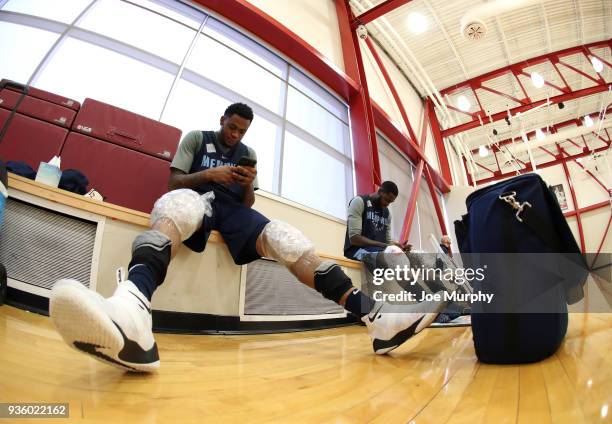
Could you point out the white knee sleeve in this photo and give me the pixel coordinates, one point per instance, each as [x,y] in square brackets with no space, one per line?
[185,208]
[284,242]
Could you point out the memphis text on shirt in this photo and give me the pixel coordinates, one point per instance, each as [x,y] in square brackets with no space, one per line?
[379,221]
[208,162]
[454,296]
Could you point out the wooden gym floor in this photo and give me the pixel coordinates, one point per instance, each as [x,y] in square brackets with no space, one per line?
[317,376]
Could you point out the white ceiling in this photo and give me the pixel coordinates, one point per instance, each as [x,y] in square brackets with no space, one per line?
[441,57]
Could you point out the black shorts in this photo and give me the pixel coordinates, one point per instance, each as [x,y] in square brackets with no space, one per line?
[239,225]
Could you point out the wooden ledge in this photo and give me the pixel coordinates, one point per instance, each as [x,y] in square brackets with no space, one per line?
[77,201]
[113,211]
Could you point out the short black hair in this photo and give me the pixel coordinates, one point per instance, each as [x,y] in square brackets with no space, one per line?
[240,109]
[388,187]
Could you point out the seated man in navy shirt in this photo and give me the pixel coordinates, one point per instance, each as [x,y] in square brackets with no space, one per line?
[368,229]
[212,182]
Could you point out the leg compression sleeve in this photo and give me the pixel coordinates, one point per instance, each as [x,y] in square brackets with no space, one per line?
[331,281]
[151,251]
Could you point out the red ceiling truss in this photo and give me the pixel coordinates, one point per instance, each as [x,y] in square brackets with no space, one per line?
[566,92]
[520,101]
[378,10]
[554,128]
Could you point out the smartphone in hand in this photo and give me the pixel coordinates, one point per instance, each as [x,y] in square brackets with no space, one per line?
[247,161]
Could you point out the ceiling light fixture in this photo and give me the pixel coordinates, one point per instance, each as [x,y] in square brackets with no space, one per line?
[463,103]
[537,80]
[417,22]
[483,152]
[588,121]
[525,138]
[597,65]
[540,134]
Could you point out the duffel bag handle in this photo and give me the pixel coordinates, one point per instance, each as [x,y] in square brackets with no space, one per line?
[529,219]
[133,138]
[510,198]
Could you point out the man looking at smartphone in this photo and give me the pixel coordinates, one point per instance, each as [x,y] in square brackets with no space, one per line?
[368,229]
[210,159]
[212,185]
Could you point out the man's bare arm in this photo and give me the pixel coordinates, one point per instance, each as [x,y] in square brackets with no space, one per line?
[221,175]
[359,241]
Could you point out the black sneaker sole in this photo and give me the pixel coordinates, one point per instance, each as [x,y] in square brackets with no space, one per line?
[382,347]
[83,327]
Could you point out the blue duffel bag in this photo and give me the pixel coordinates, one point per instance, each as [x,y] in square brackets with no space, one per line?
[516,232]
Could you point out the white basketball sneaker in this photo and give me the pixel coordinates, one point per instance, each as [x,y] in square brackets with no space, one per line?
[391,325]
[116,330]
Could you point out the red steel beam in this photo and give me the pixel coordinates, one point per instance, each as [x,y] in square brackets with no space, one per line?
[378,10]
[507,96]
[391,86]
[426,123]
[576,144]
[517,69]
[584,141]
[556,87]
[485,168]
[576,206]
[475,123]
[456,109]
[423,139]
[567,86]
[600,58]
[363,127]
[436,202]
[524,64]
[588,208]
[416,183]
[412,201]
[427,119]
[405,145]
[496,162]
[584,74]
[564,152]
[467,172]
[555,127]
[540,166]
[439,140]
[597,180]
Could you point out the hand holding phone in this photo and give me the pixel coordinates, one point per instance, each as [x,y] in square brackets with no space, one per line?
[245,172]
[247,161]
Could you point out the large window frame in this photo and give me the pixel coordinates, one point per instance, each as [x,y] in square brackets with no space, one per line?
[247,47]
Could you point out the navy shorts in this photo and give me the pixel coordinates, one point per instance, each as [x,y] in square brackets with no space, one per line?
[239,225]
[367,255]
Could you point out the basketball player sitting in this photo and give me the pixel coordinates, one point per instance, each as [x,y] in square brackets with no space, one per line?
[212,188]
